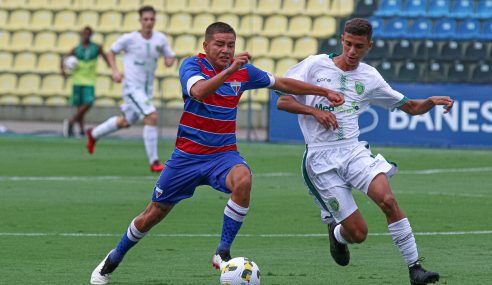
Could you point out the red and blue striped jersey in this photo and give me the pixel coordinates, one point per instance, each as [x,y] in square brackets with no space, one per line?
[209,126]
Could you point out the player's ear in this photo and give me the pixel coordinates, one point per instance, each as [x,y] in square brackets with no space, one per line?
[205,46]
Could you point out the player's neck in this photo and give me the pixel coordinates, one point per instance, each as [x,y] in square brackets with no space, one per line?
[340,63]
[146,34]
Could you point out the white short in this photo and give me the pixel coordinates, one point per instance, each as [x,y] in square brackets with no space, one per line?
[330,173]
[138,103]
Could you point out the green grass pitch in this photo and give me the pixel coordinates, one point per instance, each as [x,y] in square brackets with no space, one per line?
[62,210]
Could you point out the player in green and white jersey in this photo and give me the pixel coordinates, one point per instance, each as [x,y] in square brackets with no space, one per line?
[142,51]
[83,79]
[335,160]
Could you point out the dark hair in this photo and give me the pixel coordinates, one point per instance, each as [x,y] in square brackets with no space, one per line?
[146,8]
[359,27]
[218,27]
[87,28]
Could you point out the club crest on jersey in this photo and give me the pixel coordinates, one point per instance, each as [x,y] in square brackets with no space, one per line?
[359,87]
[158,192]
[236,86]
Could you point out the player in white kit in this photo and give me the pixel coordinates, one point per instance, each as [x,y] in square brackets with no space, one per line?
[142,51]
[335,160]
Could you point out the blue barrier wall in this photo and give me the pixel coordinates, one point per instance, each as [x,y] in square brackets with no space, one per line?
[468,124]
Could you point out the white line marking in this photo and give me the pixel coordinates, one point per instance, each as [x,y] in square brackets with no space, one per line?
[446,170]
[485,232]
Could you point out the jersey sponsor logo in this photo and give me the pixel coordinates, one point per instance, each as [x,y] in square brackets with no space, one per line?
[359,87]
[339,109]
[236,86]
[323,79]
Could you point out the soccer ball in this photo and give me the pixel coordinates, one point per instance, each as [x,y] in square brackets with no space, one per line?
[70,62]
[239,271]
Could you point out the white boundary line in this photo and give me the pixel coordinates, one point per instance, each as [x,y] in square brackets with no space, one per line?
[7,234]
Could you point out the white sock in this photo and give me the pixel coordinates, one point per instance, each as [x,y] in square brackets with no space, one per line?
[402,235]
[105,128]
[235,212]
[338,235]
[150,141]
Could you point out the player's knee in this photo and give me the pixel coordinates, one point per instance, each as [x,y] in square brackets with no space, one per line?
[359,235]
[122,122]
[151,119]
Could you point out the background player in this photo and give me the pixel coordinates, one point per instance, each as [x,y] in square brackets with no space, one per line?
[206,152]
[335,161]
[142,51]
[83,79]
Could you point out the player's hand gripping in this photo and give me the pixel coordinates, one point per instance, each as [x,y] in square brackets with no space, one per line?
[327,119]
[117,76]
[336,99]
[239,61]
[443,100]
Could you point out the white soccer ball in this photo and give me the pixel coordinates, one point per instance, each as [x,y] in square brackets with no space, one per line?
[239,271]
[70,62]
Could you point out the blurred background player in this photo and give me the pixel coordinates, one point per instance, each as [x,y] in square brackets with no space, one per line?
[83,80]
[142,51]
[335,160]
[206,151]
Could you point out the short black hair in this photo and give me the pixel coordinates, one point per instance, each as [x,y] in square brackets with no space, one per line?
[218,27]
[359,27]
[146,8]
[87,28]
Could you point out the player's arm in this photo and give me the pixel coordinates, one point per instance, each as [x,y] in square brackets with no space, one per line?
[297,87]
[418,107]
[103,54]
[116,74]
[62,67]
[204,88]
[291,105]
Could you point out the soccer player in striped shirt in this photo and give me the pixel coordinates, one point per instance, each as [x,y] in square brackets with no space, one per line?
[206,152]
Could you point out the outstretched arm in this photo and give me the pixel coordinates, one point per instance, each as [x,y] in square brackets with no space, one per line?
[418,107]
[103,54]
[291,105]
[297,87]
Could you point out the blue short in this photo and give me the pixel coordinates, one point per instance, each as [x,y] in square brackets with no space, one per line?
[183,174]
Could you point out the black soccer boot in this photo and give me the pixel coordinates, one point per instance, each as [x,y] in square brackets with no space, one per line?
[339,252]
[420,276]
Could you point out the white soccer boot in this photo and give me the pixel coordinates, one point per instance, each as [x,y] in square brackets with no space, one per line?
[219,258]
[103,271]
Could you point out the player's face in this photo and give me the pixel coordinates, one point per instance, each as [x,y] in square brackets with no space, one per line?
[354,48]
[147,20]
[86,35]
[220,49]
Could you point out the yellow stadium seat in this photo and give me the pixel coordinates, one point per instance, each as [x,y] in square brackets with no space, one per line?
[105,5]
[239,44]
[130,22]
[67,41]
[317,7]
[104,102]
[293,7]
[275,25]
[19,19]
[110,21]
[49,63]
[64,21]
[115,92]
[21,41]
[283,65]
[13,4]
[10,100]
[198,6]
[257,46]
[109,41]
[67,88]
[184,45]
[28,84]
[157,4]
[304,47]
[162,70]
[171,89]
[268,7]
[4,40]
[281,47]
[179,23]
[161,20]
[56,101]
[324,26]
[58,5]
[32,100]
[52,85]
[261,95]
[231,19]
[128,5]
[41,20]
[103,86]
[8,83]
[299,26]
[200,22]
[341,8]
[44,41]
[97,38]
[83,5]
[3,18]
[221,6]
[38,4]
[250,25]
[25,62]
[244,7]
[176,6]
[88,18]
[264,63]
[6,60]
